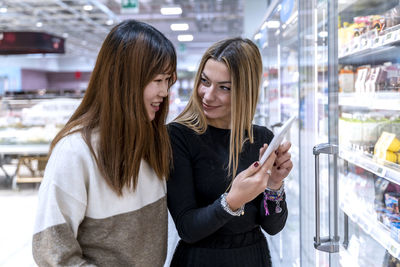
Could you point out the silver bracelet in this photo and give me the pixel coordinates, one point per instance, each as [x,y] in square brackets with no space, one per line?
[226,207]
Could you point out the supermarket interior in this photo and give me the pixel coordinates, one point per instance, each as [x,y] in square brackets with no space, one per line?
[334,65]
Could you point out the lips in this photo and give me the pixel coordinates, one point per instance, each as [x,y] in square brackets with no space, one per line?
[156,106]
[208,107]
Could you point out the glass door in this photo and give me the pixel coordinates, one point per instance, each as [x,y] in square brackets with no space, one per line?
[318,132]
[300,79]
[279,100]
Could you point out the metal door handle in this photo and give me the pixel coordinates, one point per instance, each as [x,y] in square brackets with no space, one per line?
[327,244]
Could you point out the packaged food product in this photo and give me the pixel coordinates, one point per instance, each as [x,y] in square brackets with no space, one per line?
[346,80]
[388,141]
[388,147]
[362,75]
[392,203]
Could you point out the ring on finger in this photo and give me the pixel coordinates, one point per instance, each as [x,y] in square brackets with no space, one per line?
[269,172]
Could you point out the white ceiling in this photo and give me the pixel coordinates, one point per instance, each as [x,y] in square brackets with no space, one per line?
[84,30]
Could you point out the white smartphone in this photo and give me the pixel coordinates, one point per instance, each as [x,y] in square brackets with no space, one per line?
[277,140]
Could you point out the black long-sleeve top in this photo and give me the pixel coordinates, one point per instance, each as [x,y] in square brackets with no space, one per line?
[200,176]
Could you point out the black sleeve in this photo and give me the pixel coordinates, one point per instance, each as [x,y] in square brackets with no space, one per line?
[193,223]
[274,222]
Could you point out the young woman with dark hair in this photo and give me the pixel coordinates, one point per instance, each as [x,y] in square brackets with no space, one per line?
[102,201]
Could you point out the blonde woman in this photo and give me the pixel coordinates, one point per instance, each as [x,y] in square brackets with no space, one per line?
[218,218]
[102,201]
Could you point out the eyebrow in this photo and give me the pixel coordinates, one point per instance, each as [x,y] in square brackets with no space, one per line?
[217,82]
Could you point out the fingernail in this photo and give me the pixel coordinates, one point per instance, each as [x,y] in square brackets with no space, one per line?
[274,164]
[256,164]
[279,168]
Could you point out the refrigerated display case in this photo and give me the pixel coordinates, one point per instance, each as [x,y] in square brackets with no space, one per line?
[336,65]
[369,120]
[28,123]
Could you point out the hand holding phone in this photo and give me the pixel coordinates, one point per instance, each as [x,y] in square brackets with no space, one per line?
[277,140]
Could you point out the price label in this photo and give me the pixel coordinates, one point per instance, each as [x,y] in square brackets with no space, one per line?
[381,171]
[356,45]
[376,42]
[396,36]
[389,38]
[365,44]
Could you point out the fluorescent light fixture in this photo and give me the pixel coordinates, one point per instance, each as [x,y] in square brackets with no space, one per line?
[3,10]
[39,24]
[273,24]
[171,10]
[257,36]
[185,37]
[87,7]
[179,26]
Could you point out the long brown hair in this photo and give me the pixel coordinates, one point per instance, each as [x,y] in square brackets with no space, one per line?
[132,54]
[243,60]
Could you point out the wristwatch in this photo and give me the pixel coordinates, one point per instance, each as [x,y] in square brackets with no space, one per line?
[226,207]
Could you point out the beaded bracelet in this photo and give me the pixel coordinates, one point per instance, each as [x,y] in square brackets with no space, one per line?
[274,195]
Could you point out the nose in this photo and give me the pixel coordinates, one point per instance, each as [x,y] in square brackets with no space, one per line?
[163,92]
[208,92]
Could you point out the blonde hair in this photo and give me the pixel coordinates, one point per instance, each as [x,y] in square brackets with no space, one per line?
[131,56]
[244,63]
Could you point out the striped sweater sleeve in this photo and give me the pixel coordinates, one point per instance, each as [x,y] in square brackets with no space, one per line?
[62,207]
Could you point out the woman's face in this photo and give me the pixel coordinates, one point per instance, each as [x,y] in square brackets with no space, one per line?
[215,93]
[154,94]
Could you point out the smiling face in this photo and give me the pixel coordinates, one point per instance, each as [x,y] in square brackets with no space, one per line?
[214,92]
[154,94]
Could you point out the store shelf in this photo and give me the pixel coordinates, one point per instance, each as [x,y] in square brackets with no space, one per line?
[385,169]
[379,48]
[372,227]
[353,8]
[380,100]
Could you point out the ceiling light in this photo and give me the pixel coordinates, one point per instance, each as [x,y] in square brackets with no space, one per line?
[109,22]
[3,9]
[179,26]
[185,37]
[39,24]
[87,7]
[257,36]
[171,10]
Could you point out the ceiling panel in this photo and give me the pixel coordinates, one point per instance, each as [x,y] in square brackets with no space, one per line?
[85,23]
